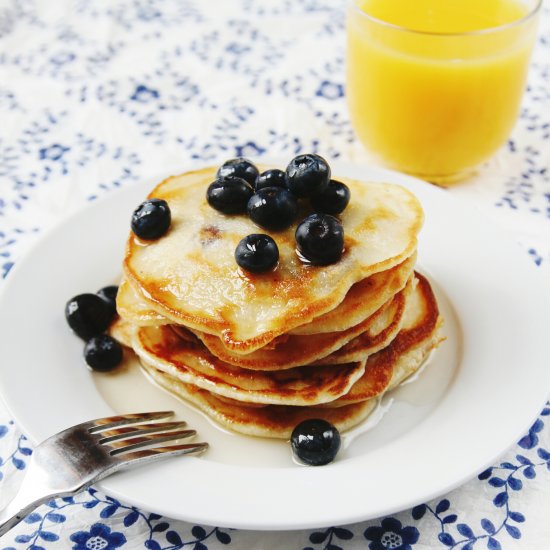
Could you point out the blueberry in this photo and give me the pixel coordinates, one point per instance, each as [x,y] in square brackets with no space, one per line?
[270,178]
[333,199]
[315,442]
[240,168]
[320,239]
[229,195]
[88,315]
[257,253]
[151,219]
[273,208]
[108,293]
[102,353]
[307,175]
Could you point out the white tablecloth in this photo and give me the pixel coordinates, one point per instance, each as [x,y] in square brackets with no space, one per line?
[99,94]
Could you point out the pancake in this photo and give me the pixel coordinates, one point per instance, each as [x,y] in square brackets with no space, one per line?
[190,276]
[361,301]
[123,331]
[367,343]
[189,362]
[274,421]
[293,350]
[386,369]
[131,307]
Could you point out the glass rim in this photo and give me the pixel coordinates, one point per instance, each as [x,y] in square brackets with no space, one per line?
[478,32]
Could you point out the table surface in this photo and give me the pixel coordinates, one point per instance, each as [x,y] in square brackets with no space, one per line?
[97,94]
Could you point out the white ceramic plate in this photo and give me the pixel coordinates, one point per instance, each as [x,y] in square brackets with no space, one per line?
[479,393]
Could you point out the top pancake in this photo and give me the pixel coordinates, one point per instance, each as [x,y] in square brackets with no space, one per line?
[361,301]
[190,275]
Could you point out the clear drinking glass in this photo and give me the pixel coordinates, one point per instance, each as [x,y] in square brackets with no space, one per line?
[436,104]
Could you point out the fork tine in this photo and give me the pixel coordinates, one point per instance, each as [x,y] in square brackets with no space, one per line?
[101,424]
[154,454]
[137,430]
[138,442]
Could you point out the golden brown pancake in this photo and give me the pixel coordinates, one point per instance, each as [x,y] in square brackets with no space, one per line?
[133,308]
[390,366]
[362,300]
[293,350]
[190,362]
[190,275]
[275,421]
[380,335]
[123,331]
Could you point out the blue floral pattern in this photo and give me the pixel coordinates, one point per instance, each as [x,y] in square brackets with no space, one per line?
[98,94]
[391,535]
[99,537]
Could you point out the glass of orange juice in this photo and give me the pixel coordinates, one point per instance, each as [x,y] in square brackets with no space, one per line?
[434,86]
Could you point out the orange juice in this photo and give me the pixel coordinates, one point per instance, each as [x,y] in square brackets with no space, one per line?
[434,86]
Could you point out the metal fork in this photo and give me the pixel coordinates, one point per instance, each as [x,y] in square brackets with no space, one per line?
[77,457]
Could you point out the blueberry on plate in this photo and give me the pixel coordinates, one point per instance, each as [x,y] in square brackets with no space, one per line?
[88,315]
[229,195]
[320,239]
[270,178]
[103,353]
[108,293]
[315,442]
[273,208]
[333,199]
[239,168]
[257,253]
[151,219]
[307,175]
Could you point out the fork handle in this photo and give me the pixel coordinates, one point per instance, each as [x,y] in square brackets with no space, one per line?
[17,510]
[26,501]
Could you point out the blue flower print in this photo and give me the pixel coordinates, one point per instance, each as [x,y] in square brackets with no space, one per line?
[249,149]
[100,537]
[53,152]
[391,535]
[330,90]
[143,94]
[237,49]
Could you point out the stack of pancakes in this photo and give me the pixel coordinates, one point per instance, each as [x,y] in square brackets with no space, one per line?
[259,353]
